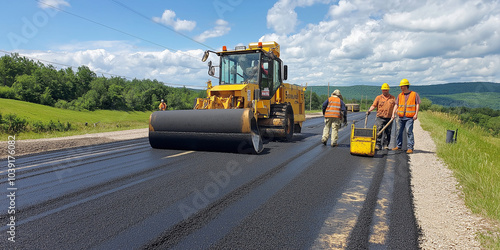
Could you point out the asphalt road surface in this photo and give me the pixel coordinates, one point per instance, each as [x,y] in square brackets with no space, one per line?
[294,195]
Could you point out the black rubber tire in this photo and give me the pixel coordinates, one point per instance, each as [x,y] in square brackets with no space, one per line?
[289,123]
[297,129]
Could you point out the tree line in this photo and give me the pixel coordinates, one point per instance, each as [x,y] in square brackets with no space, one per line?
[27,80]
[486,118]
[314,101]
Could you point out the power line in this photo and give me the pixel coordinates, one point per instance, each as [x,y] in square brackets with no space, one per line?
[111,28]
[123,32]
[162,25]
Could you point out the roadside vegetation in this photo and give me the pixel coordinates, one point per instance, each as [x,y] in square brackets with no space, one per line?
[314,101]
[486,118]
[39,101]
[26,80]
[31,121]
[474,159]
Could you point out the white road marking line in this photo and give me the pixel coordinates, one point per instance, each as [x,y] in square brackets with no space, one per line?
[172,156]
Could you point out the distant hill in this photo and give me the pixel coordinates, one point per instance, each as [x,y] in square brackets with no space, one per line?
[468,94]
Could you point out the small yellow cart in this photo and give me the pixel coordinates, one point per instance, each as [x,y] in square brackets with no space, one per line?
[363,140]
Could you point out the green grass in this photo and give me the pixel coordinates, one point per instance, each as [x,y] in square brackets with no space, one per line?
[474,160]
[473,100]
[106,120]
[313,111]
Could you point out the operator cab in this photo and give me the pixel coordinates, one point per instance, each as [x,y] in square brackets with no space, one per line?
[250,66]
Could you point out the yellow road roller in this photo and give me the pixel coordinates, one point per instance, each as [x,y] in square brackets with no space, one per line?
[250,102]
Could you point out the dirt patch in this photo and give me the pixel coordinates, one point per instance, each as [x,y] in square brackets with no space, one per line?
[24,147]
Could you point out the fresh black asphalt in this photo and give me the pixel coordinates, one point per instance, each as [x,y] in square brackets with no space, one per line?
[293,195]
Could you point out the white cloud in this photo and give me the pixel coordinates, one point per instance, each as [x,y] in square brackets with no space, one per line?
[344,8]
[221,28]
[282,17]
[439,16]
[172,67]
[362,42]
[45,4]
[168,18]
[357,42]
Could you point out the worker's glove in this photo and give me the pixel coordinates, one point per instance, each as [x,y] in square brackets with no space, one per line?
[367,112]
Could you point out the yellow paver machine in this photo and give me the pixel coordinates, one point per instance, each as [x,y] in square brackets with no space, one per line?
[250,101]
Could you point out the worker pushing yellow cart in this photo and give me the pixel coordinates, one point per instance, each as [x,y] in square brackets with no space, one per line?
[363,140]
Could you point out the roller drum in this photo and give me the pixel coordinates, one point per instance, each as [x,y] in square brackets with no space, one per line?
[233,130]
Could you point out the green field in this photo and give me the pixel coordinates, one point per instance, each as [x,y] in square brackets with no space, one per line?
[105,120]
[474,160]
[471,100]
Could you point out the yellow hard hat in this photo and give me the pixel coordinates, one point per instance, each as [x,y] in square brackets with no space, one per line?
[385,86]
[404,82]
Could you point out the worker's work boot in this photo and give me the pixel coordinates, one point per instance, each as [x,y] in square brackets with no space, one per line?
[409,151]
[324,143]
[386,147]
[334,144]
[395,148]
[377,147]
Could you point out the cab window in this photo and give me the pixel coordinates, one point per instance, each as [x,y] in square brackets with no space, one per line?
[276,75]
[266,76]
[239,68]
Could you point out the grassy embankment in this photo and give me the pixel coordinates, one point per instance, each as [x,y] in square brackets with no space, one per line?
[475,160]
[105,120]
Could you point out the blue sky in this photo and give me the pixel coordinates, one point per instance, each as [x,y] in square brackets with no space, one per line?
[346,42]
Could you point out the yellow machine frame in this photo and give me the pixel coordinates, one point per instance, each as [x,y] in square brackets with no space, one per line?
[363,141]
[234,96]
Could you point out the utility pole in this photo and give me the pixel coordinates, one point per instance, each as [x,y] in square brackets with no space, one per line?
[328,94]
[310,98]
[361,103]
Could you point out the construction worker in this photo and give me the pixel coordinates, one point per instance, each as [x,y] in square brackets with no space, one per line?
[163,105]
[384,104]
[335,112]
[408,104]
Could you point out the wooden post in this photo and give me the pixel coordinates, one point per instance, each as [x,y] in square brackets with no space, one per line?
[310,98]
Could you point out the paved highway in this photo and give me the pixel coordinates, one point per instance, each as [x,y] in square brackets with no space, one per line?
[298,194]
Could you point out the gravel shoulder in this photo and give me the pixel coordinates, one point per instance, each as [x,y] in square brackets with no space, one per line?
[444,220]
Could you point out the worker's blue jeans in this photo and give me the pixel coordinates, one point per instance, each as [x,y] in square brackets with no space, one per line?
[406,123]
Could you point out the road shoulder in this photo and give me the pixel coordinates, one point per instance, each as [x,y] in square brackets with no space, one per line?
[444,220]
[33,146]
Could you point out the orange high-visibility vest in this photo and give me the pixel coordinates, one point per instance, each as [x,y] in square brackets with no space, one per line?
[162,106]
[408,108]
[333,108]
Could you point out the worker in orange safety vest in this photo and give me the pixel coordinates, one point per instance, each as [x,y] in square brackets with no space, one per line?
[407,106]
[384,104]
[335,113]
[163,105]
